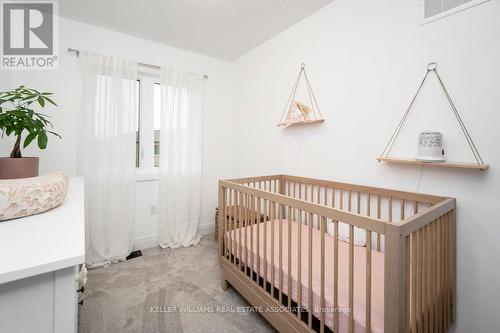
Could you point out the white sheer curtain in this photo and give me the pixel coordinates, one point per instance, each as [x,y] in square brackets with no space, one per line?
[180,158]
[106,155]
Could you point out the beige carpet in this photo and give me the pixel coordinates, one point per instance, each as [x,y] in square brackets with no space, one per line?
[159,291]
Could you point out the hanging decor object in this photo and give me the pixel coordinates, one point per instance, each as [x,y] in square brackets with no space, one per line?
[430,147]
[296,112]
[430,143]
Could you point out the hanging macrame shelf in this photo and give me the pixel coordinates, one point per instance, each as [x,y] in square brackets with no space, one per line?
[479,165]
[296,113]
[462,165]
[302,122]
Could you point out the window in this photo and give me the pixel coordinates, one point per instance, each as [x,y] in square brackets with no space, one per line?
[138,121]
[436,9]
[148,129]
[157,123]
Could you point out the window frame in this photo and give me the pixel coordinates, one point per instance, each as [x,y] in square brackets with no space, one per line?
[147,79]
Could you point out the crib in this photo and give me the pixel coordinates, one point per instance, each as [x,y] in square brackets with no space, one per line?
[314,255]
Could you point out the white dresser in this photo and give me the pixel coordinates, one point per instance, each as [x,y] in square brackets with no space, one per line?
[39,259]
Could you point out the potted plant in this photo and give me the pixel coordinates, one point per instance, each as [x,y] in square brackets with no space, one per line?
[17,116]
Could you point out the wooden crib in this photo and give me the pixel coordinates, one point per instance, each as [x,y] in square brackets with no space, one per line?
[322,256]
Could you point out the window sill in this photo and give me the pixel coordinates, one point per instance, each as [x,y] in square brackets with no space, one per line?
[146,175]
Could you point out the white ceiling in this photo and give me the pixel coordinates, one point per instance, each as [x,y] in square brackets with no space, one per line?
[224,29]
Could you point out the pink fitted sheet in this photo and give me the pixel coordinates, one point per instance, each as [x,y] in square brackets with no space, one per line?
[249,257]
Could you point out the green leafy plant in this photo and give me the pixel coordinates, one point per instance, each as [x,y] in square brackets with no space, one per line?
[17,115]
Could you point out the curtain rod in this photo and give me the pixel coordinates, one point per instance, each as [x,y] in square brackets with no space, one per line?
[77,53]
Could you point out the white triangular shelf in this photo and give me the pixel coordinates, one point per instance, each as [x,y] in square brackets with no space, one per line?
[302,122]
[447,164]
[311,115]
[384,157]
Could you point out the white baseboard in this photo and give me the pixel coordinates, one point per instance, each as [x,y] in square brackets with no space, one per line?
[148,242]
[206,229]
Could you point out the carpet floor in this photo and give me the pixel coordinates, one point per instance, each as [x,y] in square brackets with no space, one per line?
[165,291]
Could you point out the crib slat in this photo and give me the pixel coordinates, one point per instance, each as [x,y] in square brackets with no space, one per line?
[248,236]
[379,213]
[369,204]
[414,270]
[232,221]
[299,266]
[351,269]
[451,225]
[445,272]
[342,199]
[293,195]
[252,221]
[432,280]
[280,254]
[429,278]
[453,239]
[265,226]
[333,197]
[436,294]
[325,192]
[258,240]
[234,227]
[273,211]
[389,202]
[309,269]
[420,269]
[240,231]
[336,276]
[368,314]
[402,210]
[448,271]
[436,277]
[435,283]
[406,261]
[444,235]
[358,203]
[224,212]
[245,224]
[349,204]
[425,269]
[351,275]
[289,282]
[229,228]
[322,275]
[440,275]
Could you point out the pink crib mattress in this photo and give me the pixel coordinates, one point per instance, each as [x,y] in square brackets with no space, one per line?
[377,281]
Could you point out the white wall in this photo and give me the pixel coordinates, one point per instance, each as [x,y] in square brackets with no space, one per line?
[365,60]
[60,154]
[5,79]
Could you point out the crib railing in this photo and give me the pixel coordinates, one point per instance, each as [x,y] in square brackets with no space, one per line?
[415,232]
[429,268]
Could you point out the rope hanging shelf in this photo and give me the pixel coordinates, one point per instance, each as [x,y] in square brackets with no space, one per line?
[295,112]
[479,165]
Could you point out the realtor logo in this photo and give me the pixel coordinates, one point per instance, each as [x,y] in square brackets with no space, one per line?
[29,35]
